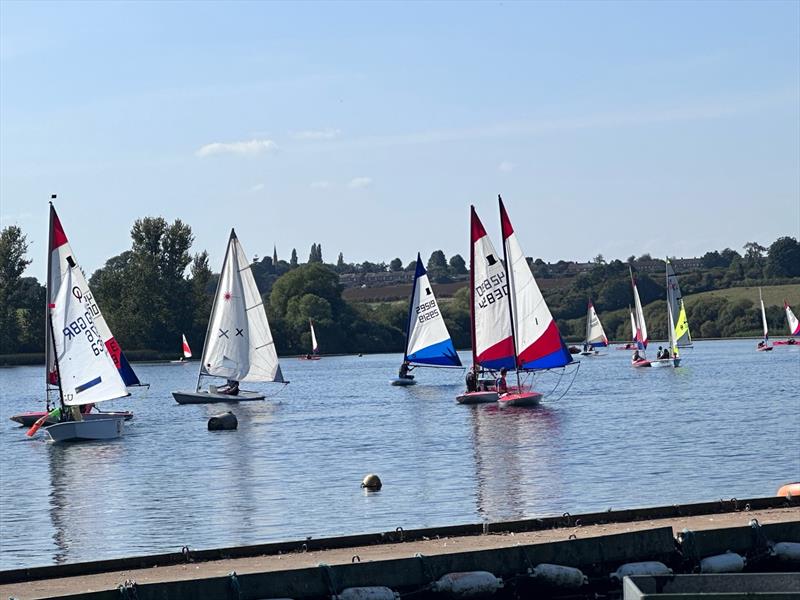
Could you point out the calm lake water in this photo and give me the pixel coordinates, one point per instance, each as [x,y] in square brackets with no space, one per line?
[727,424]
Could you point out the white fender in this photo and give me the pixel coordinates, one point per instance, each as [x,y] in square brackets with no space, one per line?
[786,551]
[471,584]
[649,567]
[730,562]
[559,576]
[376,592]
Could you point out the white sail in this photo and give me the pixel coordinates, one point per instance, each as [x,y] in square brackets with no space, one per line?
[314,345]
[641,328]
[187,351]
[675,303]
[428,341]
[763,316]
[239,342]
[633,324]
[493,346]
[87,372]
[595,335]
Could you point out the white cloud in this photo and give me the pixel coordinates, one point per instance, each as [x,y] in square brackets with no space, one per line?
[506,167]
[360,182]
[320,185]
[248,148]
[318,134]
[257,187]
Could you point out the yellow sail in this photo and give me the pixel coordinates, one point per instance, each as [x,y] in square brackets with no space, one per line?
[682,326]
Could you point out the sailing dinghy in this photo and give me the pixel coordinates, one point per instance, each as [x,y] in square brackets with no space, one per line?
[595,336]
[763,345]
[239,345]
[62,262]
[428,342]
[794,327]
[683,339]
[639,358]
[314,345]
[187,351]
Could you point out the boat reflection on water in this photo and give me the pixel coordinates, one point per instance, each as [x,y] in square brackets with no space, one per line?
[76,510]
[517,473]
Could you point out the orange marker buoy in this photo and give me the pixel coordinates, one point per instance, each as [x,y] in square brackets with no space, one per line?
[790,490]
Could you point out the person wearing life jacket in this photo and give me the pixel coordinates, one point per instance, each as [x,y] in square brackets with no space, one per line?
[502,386]
[404,369]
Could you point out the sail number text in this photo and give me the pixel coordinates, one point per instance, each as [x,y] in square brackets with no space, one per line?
[491,290]
[85,325]
[427,311]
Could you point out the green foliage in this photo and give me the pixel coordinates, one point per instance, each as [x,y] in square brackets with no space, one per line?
[784,258]
[457,265]
[16,327]
[396,265]
[293,259]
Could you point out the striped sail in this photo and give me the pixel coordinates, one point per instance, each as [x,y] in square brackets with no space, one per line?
[187,352]
[87,372]
[62,261]
[672,332]
[794,324]
[428,341]
[538,341]
[677,309]
[314,344]
[763,317]
[639,324]
[493,345]
[633,324]
[239,343]
[595,335]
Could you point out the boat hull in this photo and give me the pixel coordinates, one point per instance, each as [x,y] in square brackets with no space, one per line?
[88,430]
[665,362]
[309,357]
[786,343]
[638,364]
[403,381]
[204,397]
[764,349]
[477,397]
[29,418]
[520,399]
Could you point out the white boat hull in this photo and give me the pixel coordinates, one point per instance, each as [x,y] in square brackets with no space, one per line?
[205,397]
[665,362]
[403,381]
[477,397]
[90,429]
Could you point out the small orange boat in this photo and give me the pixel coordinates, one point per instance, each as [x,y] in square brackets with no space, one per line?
[790,490]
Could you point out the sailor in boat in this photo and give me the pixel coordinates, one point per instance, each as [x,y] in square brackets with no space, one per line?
[761,344]
[404,369]
[231,388]
[501,385]
[636,356]
[472,381]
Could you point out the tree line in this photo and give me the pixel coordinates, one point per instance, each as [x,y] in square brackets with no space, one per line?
[158,290]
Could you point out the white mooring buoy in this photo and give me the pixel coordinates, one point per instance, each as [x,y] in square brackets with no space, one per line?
[371,482]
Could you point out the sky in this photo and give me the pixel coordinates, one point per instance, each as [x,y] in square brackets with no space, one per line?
[669,128]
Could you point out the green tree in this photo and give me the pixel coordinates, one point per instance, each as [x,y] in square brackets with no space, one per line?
[13,262]
[293,259]
[437,266]
[396,265]
[783,259]
[340,263]
[457,265]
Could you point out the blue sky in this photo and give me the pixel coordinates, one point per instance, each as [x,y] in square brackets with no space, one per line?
[613,128]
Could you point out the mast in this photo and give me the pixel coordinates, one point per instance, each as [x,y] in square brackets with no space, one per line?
[213,309]
[58,370]
[588,322]
[510,299]
[473,216]
[411,308]
[764,318]
[49,343]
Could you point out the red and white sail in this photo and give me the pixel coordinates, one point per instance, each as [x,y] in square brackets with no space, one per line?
[794,324]
[61,261]
[493,345]
[187,352]
[763,317]
[536,335]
